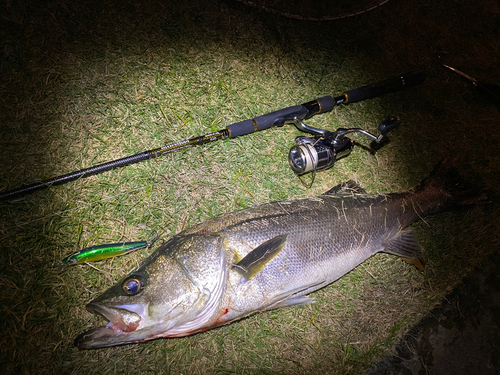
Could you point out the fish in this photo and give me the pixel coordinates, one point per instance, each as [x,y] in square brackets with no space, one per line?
[267,257]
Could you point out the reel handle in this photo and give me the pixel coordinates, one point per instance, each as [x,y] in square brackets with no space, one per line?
[387,125]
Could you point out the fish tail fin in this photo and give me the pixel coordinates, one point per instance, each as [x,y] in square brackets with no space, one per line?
[449,187]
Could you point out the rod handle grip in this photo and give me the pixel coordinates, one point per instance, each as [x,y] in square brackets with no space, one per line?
[411,79]
[280,117]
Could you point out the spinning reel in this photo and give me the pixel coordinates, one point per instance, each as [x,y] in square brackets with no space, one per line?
[320,152]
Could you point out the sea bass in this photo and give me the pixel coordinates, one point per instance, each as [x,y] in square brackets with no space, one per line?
[262,258]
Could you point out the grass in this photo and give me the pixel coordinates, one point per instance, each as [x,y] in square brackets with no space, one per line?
[87,83]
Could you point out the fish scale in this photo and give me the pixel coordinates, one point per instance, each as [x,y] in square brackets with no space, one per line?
[267,257]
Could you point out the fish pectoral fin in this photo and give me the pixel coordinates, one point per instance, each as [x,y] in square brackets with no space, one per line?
[405,245]
[346,188]
[258,258]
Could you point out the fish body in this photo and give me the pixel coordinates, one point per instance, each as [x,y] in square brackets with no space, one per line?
[265,257]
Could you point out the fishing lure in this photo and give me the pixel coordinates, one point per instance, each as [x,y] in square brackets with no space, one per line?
[100,252]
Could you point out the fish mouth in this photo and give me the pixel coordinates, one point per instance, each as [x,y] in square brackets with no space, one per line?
[122,323]
[119,318]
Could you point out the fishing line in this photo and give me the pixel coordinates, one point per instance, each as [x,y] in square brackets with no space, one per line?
[307,18]
[315,168]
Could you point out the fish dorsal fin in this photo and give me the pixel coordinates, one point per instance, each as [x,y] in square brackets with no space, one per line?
[257,259]
[405,245]
[348,187]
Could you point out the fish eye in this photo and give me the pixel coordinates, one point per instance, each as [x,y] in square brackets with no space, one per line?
[133,285]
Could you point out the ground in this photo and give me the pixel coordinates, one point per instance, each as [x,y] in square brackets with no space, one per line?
[460,336]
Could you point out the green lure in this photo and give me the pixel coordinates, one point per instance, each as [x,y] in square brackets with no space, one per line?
[100,252]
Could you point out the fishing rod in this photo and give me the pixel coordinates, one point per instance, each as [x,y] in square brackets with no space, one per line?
[489,91]
[290,115]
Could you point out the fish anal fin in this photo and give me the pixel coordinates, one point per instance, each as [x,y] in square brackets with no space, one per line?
[295,301]
[348,187]
[419,263]
[405,245]
[258,258]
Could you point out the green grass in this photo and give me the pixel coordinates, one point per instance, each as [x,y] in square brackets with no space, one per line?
[88,83]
